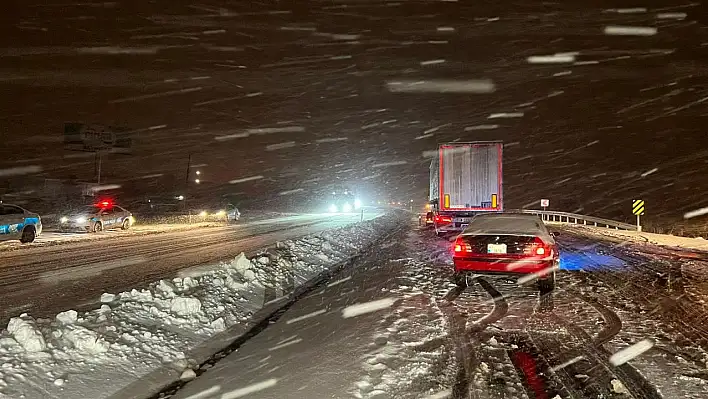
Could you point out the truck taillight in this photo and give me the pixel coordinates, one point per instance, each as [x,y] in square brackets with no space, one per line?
[460,246]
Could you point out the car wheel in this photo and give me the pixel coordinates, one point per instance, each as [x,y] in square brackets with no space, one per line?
[547,284]
[126,224]
[28,235]
[97,227]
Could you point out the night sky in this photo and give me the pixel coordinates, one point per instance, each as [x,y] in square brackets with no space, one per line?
[607,118]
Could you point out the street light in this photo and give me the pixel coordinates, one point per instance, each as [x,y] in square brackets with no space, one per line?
[197,181]
[199,173]
[180,197]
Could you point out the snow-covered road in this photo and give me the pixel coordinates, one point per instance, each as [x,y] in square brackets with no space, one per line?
[627,320]
[137,338]
[49,277]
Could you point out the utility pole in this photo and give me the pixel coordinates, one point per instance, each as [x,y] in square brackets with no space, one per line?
[186,180]
[97,166]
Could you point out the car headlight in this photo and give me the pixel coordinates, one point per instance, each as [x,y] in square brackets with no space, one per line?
[347,208]
[81,219]
[357,203]
[220,213]
[202,213]
[333,208]
[64,219]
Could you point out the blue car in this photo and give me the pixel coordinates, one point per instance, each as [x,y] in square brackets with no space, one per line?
[17,223]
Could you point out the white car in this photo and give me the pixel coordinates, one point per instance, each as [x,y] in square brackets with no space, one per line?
[96,218]
[233,215]
[17,223]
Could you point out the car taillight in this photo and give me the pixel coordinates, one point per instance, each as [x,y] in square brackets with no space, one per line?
[443,219]
[537,248]
[460,246]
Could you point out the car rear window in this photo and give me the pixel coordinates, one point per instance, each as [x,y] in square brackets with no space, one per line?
[506,225]
[514,244]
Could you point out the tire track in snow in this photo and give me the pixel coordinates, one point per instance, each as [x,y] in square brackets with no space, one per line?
[465,361]
[501,307]
[464,333]
[599,357]
[613,324]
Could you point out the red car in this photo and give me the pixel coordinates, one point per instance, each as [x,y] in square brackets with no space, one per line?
[507,243]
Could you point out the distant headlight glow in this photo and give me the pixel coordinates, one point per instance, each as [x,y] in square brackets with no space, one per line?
[357,203]
[220,213]
[202,214]
[333,208]
[64,219]
[347,207]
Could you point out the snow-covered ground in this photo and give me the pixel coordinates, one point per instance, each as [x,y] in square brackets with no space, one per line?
[394,326]
[666,240]
[101,352]
[53,237]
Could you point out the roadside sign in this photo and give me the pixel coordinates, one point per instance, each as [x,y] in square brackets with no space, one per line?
[85,137]
[97,139]
[545,203]
[638,207]
[638,210]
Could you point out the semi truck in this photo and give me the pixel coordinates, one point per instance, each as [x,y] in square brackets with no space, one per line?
[465,180]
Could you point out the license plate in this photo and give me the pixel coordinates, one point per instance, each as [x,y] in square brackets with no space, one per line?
[496,248]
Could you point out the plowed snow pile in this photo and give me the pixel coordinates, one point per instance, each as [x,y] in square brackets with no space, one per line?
[95,354]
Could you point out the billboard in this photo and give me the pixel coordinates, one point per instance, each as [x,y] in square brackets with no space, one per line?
[94,137]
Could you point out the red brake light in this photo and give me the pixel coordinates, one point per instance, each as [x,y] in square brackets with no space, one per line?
[104,204]
[537,247]
[461,246]
[443,219]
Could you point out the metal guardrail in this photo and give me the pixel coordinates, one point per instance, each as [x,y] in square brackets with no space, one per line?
[574,218]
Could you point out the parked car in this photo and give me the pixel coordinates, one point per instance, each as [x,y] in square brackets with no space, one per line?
[17,223]
[104,215]
[507,243]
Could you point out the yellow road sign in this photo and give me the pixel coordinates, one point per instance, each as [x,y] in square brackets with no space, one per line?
[638,207]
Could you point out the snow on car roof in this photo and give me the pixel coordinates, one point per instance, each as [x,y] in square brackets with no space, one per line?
[508,224]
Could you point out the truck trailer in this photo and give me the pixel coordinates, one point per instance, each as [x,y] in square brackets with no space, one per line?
[465,179]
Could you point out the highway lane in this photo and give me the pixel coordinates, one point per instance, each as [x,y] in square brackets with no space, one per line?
[45,279]
[434,337]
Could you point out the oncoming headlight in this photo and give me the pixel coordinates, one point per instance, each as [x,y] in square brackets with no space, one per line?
[357,203]
[64,219]
[333,208]
[347,208]
[202,214]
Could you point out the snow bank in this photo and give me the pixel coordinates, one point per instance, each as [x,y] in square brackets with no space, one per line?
[665,240]
[97,353]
